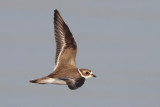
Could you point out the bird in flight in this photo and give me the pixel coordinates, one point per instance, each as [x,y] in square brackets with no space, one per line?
[65,71]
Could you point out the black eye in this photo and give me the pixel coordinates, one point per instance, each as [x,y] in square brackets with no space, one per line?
[87,72]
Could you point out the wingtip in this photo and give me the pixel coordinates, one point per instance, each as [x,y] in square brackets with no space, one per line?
[56,11]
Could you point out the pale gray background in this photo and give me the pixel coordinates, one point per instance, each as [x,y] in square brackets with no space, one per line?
[119,40]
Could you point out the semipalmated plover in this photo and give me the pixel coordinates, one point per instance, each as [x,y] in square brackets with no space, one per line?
[65,71]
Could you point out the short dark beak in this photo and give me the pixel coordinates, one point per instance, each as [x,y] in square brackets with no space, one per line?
[93,75]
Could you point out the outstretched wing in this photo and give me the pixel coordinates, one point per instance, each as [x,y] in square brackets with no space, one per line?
[66,48]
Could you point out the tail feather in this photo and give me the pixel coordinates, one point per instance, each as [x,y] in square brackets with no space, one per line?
[43,80]
[33,81]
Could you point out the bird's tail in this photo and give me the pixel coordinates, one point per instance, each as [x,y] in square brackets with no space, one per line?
[43,80]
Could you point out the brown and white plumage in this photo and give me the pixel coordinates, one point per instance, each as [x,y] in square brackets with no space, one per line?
[65,71]
[66,48]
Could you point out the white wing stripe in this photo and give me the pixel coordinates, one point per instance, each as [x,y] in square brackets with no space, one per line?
[59,57]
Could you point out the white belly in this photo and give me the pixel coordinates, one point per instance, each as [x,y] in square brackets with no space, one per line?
[56,81]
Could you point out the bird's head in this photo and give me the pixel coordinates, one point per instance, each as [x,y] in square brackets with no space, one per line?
[86,73]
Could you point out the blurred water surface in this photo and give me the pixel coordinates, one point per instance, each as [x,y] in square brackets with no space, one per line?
[117,39]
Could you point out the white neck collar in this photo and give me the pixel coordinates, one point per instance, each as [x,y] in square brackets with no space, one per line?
[81,73]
